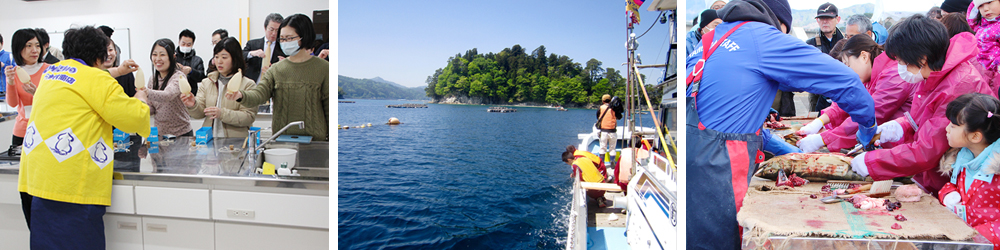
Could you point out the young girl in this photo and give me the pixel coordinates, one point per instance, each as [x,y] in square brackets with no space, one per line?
[974,191]
[983,19]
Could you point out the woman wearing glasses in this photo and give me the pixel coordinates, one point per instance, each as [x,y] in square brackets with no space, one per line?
[299,84]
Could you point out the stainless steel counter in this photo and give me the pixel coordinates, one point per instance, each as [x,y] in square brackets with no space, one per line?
[214,166]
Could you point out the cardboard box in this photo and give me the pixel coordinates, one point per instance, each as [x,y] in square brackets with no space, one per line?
[203,135]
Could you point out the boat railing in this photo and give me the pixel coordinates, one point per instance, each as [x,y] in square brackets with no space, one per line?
[577,237]
[661,172]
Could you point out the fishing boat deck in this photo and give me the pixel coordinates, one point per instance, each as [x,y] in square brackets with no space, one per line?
[602,232]
[599,217]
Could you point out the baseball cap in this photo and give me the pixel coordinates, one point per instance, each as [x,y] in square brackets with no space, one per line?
[826,10]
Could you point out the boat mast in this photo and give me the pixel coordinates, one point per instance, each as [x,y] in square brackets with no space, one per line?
[630,46]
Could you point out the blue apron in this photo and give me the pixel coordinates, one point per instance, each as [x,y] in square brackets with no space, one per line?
[718,169]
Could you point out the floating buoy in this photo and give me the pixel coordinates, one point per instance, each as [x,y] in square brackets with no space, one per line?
[393,121]
[348,127]
[369,124]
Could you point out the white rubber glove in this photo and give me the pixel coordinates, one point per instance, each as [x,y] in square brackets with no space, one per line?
[891,132]
[858,164]
[951,200]
[811,143]
[812,128]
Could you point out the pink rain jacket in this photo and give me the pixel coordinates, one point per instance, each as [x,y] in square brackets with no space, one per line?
[892,96]
[921,155]
[987,39]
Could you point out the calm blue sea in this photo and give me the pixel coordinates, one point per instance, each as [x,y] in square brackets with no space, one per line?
[455,176]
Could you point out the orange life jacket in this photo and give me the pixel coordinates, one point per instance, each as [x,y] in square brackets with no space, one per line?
[608,121]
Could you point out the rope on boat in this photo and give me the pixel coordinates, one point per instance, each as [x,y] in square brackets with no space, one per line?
[649,105]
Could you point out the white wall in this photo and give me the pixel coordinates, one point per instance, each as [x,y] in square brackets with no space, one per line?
[150,20]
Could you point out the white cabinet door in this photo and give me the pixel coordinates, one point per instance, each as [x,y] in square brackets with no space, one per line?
[176,234]
[234,236]
[123,232]
[172,202]
[122,200]
[8,190]
[282,209]
[13,229]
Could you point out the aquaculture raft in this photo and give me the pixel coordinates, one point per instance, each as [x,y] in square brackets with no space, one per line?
[410,105]
[501,110]
[345,101]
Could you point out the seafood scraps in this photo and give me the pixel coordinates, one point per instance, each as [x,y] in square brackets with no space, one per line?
[810,166]
[793,138]
[792,181]
[908,193]
[863,202]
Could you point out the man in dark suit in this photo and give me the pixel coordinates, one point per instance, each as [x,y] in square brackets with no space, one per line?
[254,51]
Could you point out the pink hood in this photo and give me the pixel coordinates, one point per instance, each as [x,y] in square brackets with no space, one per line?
[921,155]
[961,50]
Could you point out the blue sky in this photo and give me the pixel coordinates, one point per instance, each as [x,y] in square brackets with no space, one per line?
[405,41]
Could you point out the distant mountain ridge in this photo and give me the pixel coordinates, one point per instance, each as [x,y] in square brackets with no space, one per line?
[378,88]
[379,79]
[806,18]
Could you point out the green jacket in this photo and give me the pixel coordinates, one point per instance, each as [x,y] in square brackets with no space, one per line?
[300,92]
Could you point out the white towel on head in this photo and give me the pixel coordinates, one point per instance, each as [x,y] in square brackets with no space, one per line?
[708,3]
[975,11]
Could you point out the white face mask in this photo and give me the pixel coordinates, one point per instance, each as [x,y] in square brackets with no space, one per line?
[907,76]
[290,48]
[186,50]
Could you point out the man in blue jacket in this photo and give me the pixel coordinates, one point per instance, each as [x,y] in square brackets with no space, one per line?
[5,59]
[730,93]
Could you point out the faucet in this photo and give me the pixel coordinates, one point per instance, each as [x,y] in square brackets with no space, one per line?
[254,148]
[302,125]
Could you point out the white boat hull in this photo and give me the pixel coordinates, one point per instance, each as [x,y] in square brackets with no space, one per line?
[652,208]
[651,201]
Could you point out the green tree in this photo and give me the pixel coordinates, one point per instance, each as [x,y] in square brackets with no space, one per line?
[540,88]
[592,73]
[432,84]
[542,62]
[513,76]
[599,90]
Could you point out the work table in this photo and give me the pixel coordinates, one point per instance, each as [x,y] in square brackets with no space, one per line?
[201,197]
[179,162]
[780,215]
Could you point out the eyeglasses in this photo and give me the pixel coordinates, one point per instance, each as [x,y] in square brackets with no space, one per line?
[287,39]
